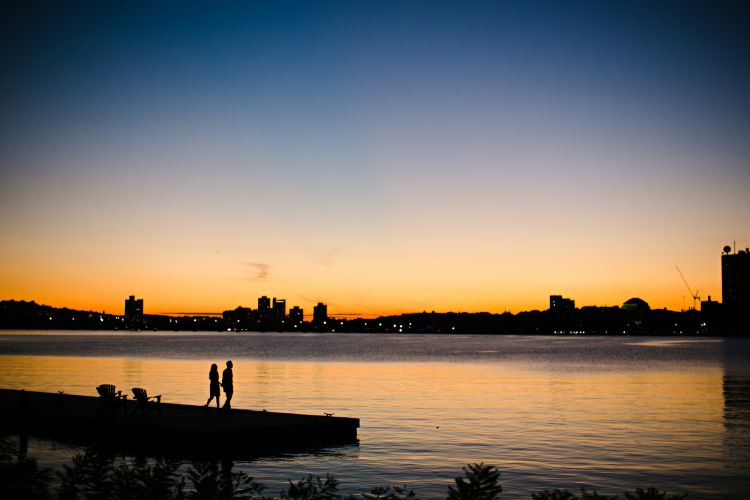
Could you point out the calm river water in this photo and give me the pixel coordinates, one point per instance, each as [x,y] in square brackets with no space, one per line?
[607,413]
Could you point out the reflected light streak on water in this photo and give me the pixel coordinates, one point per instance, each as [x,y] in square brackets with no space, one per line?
[611,414]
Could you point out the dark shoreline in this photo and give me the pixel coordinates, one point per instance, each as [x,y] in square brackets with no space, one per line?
[589,320]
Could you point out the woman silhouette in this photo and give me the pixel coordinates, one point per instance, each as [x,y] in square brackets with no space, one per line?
[214,391]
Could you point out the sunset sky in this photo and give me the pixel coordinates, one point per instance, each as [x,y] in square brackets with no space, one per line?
[379,156]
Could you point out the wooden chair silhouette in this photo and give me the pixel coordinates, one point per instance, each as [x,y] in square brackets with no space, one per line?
[144,401]
[109,398]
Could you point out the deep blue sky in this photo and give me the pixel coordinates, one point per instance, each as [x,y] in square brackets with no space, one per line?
[375,155]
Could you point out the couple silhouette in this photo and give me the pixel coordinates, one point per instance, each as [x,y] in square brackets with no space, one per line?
[227,384]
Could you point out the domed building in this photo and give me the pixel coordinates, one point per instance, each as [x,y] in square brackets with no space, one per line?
[636,304]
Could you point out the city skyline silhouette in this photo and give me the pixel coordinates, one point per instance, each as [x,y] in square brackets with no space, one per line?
[734,291]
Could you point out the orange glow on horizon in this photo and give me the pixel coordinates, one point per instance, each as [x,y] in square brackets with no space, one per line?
[166,308]
[366,281]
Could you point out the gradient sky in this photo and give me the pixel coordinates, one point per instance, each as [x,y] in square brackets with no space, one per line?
[380,156]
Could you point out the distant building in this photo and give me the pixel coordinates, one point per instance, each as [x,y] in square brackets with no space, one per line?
[560,303]
[134,311]
[279,309]
[264,308]
[296,315]
[735,280]
[710,305]
[238,318]
[636,304]
[320,314]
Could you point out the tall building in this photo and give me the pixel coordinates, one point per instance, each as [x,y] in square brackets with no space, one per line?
[264,308]
[296,315]
[735,280]
[133,311]
[560,303]
[320,314]
[279,309]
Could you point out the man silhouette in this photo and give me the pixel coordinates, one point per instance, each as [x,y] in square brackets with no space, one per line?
[228,384]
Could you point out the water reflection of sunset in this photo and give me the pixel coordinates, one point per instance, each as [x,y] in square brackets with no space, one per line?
[640,419]
[597,411]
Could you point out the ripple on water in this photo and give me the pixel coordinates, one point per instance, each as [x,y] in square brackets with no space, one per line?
[549,412]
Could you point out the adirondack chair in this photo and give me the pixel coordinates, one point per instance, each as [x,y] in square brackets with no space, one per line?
[144,401]
[109,398]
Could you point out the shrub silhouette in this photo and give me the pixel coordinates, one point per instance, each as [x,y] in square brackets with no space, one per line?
[313,488]
[480,483]
[652,493]
[567,495]
[93,476]
[20,476]
[96,476]
[554,495]
[388,493]
[209,484]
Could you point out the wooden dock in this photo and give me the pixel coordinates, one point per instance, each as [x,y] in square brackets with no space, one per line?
[175,428]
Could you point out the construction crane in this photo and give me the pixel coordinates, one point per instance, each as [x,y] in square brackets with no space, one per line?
[696,297]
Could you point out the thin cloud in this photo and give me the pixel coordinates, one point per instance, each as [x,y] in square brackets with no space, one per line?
[328,257]
[260,271]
